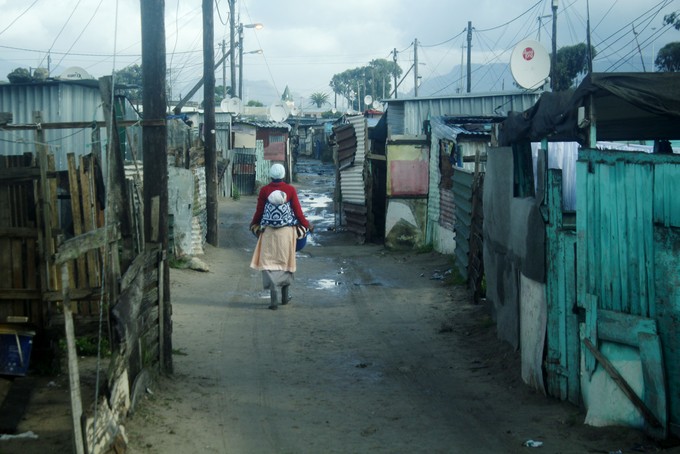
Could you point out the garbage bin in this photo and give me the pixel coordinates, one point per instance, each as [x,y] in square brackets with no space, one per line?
[15,350]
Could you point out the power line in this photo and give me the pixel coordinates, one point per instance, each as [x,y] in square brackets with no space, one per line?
[19,17]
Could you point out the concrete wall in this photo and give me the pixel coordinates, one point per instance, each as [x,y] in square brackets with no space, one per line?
[514,244]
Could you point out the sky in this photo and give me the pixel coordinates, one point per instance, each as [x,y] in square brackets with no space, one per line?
[305,42]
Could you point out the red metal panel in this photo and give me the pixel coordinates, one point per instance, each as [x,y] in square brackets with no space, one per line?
[408,177]
[275,151]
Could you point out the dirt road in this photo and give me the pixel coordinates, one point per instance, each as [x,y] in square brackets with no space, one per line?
[375,353]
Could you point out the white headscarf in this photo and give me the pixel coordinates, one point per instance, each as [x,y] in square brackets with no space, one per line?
[277,172]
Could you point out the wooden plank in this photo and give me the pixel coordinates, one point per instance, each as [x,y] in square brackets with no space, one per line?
[654,379]
[18,232]
[42,190]
[590,331]
[573,350]
[623,328]
[605,241]
[20,174]
[635,199]
[9,293]
[73,247]
[555,308]
[623,385]
[4,197]
[73,370]
[76,213]
[40,249]
[647,294]
[76,294]
[89,216]
[667,288]
[620,251]
[54,221]
[17,258]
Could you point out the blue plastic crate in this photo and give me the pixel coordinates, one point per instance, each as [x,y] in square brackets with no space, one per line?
[15,351]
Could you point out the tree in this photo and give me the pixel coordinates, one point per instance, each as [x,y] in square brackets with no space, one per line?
[222,92]
[672,19]
[374,79]
[668,58]
[571,61]
[254,103]
[132,77]
[319,99]
[19,76]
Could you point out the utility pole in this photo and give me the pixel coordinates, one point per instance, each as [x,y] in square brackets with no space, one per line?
[155,155]
[415,67]
[462,61]
[240,61]
[394,57]
[209,121]
[224,69]
[553,63]
[232,43]
[469,57]
[588,43]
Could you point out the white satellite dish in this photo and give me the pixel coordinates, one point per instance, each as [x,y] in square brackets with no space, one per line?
[530,64]
[294,111]
[334,110]
[231,105]
[368,100]
[75,73]
[278,112]
[377,105]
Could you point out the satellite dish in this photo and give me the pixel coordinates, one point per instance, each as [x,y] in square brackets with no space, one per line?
[530,64]
[294,111]
[377,105]
[75,73]
[368,100]
[278,112]
[231,105]
[334,110]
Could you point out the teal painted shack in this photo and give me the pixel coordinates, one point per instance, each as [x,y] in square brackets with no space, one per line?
[601,322]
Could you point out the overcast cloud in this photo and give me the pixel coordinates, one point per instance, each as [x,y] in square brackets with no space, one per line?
[306,42]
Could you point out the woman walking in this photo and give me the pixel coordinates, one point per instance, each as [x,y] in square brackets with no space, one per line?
[278,223]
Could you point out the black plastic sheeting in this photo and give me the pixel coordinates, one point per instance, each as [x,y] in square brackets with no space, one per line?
[627,106]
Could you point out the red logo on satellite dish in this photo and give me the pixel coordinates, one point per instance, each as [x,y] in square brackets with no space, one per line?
[528,53]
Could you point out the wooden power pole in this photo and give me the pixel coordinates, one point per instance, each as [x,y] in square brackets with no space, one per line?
[155,154]
[209,121]
[469,56]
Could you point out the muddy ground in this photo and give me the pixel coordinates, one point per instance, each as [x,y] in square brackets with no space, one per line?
[378,352]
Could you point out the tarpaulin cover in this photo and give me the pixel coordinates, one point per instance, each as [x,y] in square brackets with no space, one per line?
[627,106]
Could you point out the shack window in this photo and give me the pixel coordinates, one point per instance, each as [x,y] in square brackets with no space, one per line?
[523,185]
[276,138]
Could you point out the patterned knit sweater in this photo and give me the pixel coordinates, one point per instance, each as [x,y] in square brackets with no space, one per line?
[291,198]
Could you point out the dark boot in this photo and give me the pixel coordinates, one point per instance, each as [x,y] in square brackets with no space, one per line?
[274,296]
[285,294]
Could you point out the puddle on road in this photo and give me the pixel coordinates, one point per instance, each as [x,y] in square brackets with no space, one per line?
[317,203]
[326,284]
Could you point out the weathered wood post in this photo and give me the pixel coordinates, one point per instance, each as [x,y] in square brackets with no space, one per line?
[155,156]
